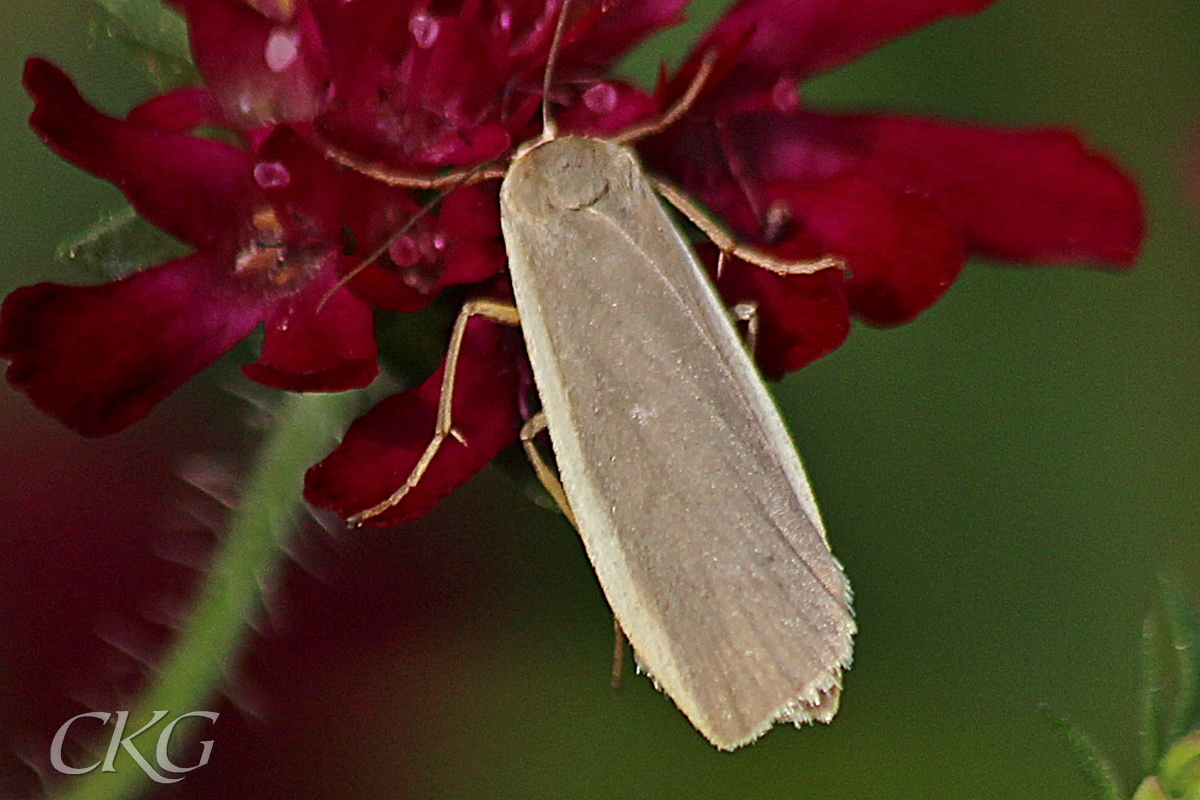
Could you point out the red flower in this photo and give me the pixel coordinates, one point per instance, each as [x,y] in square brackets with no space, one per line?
[903,201]
[100,357]
[418,85]
[269,227]
[409,87]
[263,67]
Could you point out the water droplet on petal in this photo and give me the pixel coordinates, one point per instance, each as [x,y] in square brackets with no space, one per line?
[439,241]
[424,30]
[272,175]
[283,46]
[404,252]
[784,95]
[506,19]
[601,98]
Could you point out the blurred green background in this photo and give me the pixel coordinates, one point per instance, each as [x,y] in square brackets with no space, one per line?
[1004,480]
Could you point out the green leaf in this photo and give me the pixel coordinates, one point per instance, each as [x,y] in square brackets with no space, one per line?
[119,244]
[154,35]
[1101,777]
[1185,642]
[1151,693]
[250,557]
[152,24]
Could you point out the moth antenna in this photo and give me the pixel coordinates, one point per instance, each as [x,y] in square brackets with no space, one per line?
[549,129]
[405,179]
[462,180]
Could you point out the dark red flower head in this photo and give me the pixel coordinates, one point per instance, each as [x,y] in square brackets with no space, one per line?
[412,88]
[903,201]
[99,357]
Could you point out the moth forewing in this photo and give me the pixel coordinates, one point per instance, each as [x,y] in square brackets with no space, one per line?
[687,491]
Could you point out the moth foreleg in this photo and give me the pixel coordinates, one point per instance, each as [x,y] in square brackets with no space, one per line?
[496,311]
[747,312]
[731,247]
[550,482]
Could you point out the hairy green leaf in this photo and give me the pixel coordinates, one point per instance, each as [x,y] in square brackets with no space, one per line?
[1101,777]
[1151,693]
[119,244]
[155,35]
[1185,642]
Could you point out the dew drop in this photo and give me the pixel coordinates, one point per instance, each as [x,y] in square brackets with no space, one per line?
[439,241]
[283,46]
[424,30]
[506,19]
[784,95]
[601,98]
[272,175]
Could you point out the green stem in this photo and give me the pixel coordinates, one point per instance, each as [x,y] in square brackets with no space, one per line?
[270,512]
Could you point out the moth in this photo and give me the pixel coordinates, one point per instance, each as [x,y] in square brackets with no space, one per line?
[673,461]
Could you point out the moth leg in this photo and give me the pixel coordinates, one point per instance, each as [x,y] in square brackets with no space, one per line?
[747,312]
[378,170]
[729,246]
[530,431]
[677,109]
[618,667]
[496,311]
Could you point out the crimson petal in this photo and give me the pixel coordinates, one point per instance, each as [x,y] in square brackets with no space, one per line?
[98,358]
[1033,195]
[902,250]
[387,289]
[621,27]
[471,217]
[381,449]
[262,71]
[180,111]
[195,189]
[313,197]
[800,317]
[317,341]
[801,38]
[606,108]
[413,88]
